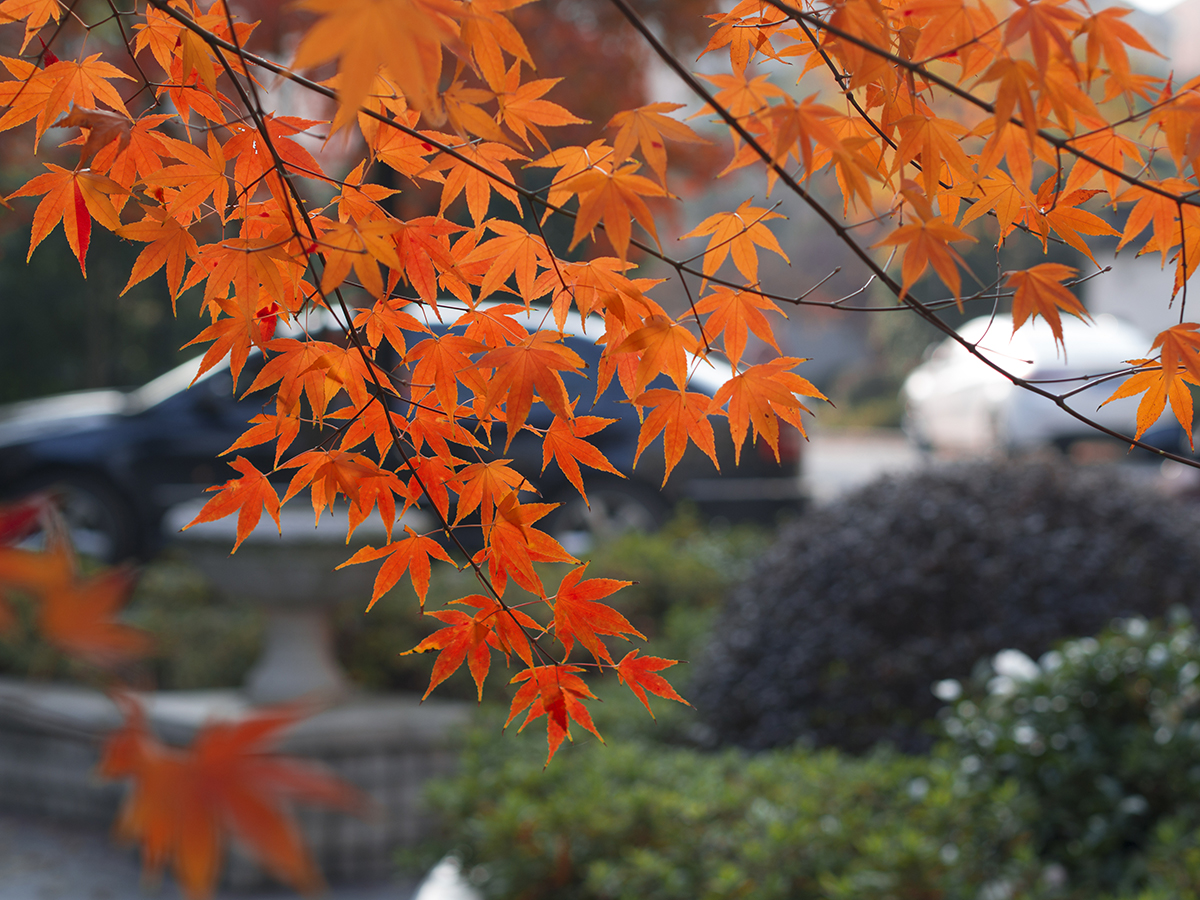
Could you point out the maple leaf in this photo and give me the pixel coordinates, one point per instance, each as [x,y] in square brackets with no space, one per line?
[577,615]
[78,617]
[735,313]
[467,117]
[75,614]
[664,346]
[929,244]
[514,546]
[1106,146]
[554,692]
[79,84]
[35,14]
[438,362]
[247,495]
[1058,211]
[746,30]
[420,244]
[563,442]
[73,198]
[183,802]
[282,429]
[533,363]
[246,324]
[469,638]
[1108,34]
[170,245]
[1158,384]
[487,32]
[1047,23]
[102,128]
[741,96]
[387,319]
[484,485]
[1001,196]
[678,416]
[515,253]
[759,397]
[328,473]
[646,127]
[201,176]
[738,232]
[412,554]
[640,674]
[614,198]
[478,185]
[1153,208]
[1038,292]
[363,246]
[405,35]
[522,109]
[935,141]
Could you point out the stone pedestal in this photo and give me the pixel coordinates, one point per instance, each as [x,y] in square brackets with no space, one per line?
[295,580]
[388,747]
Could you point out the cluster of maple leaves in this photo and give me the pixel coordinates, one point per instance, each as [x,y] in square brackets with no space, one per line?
[928,117]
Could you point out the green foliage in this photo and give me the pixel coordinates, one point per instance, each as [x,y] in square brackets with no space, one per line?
[199,641]
[1102,738]
[634,820]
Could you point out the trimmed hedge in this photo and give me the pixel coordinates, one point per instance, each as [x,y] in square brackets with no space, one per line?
[862,605]
[639,821]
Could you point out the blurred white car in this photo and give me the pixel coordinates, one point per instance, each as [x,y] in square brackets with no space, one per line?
[954,402]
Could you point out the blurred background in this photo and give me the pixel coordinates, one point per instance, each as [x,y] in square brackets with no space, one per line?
[953,658]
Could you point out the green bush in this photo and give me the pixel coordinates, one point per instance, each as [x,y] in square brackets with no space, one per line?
[1102,740]
[636,820]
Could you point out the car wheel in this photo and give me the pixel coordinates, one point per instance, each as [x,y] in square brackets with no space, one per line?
[100,521]
[616,507]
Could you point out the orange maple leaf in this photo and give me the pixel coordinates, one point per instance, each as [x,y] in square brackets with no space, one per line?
[648,128]
[759,397]
[170,245]
[735,313]
[522,109]
[513,545]
[470,637]
[639,674]
[678,415]
[577,615]
[407,36]
[73,198]
[614,198]
[248,495]
[664,346]
[554,692]
[1038,292]
[184,802]
[929,244]
[563,442]
[533,363]
[738,231]
[412,554]
[102,127]
[1158,384]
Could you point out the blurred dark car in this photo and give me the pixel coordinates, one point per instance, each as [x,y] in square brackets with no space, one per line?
[119,460]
